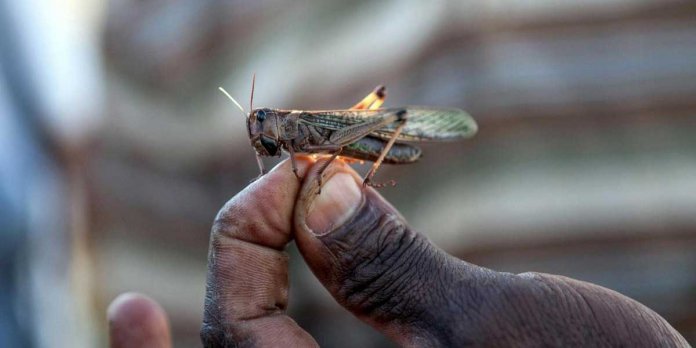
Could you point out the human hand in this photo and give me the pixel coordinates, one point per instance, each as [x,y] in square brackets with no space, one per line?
[391,277]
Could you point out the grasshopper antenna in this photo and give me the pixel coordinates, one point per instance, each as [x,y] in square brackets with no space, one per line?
[253,84]
[234,101]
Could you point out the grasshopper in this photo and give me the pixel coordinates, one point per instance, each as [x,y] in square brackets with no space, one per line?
[363,132]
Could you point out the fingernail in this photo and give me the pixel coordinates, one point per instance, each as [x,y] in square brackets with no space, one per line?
[337,202]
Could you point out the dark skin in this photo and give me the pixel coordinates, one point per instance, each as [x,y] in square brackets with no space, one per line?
[375,266]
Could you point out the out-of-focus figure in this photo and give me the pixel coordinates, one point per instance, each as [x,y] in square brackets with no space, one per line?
[50,102]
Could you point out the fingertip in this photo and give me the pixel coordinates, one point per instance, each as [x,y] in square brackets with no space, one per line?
[322,207]
[136,320]
[262,212]
[247,283]
[134,306]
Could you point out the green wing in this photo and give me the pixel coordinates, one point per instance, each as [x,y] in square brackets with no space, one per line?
[422,123]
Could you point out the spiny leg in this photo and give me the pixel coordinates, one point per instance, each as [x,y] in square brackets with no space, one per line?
[259,161]
[375,166]
[374,101]
[323,167]
[376,97]
[350,134]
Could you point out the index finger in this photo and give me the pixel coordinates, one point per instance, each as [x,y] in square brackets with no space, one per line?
[247,283]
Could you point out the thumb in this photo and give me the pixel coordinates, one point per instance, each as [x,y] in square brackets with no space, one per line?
[363,252]
[394,279]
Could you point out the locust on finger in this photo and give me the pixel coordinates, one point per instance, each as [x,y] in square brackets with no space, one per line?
[365,131]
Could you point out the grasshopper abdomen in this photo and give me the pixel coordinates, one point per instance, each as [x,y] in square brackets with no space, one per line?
[369,149]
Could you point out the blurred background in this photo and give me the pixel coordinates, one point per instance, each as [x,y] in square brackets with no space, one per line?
[116,149]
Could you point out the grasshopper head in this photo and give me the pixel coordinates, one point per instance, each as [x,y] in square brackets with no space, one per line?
[262,125]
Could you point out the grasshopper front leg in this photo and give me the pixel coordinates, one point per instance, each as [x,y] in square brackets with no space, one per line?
[291,150]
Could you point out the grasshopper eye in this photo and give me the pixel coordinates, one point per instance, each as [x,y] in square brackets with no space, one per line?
[260,115]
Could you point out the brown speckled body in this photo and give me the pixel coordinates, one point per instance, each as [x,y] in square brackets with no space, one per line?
[364,132]
[290,133]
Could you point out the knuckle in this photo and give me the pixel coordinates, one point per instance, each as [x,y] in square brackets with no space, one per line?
[212,337]
[217,331]
[384,270]
[215,337]
[226,219]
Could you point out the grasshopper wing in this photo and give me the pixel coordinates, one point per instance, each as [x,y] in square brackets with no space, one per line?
[433,124]
[337,119]
[422,123]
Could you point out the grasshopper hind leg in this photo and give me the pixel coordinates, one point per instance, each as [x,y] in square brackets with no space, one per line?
[373,100]
[368,178]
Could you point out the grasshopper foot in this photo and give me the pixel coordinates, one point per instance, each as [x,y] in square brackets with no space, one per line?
[259,176]
[368,182]
[319,183]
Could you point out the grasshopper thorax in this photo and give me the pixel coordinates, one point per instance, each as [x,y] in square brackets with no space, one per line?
[264,132]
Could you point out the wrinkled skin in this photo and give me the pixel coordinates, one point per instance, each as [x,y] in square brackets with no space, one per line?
[389,276]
